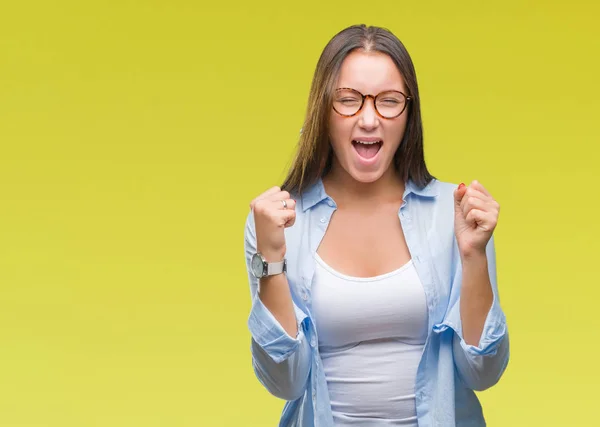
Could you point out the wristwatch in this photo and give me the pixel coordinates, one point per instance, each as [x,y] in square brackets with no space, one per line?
[261,268]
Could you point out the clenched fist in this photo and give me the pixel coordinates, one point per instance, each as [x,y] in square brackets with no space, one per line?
[273,212]
[475,217]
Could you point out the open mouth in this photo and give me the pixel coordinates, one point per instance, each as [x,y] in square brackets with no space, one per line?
[367,149]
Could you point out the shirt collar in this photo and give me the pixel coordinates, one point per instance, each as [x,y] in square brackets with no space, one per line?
[316,192]
[313,195]
[430,190]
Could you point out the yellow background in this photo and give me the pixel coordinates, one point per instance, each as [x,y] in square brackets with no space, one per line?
[133,135]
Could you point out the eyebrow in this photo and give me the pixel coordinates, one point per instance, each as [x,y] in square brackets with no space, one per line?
[381,91]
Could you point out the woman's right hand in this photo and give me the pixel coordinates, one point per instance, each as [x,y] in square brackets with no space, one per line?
[270,219]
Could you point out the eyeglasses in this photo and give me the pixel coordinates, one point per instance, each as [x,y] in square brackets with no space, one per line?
[390,104]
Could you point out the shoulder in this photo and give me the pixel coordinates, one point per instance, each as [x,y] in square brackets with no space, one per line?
[434,206]
[439,193]
[445,193]
[443,202]
[443,188]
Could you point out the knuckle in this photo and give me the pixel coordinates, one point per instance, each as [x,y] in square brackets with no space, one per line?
[259,206]
[273,215]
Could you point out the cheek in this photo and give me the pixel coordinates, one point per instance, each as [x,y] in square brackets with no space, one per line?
[340,131]
[396,132]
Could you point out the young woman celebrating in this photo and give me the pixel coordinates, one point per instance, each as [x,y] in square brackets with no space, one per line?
[373,284]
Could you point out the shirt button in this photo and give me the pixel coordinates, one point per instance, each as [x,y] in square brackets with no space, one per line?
[330,203]
[304,296]
[312,342]
[323,220]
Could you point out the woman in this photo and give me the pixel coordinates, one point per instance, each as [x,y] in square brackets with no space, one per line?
[373,285]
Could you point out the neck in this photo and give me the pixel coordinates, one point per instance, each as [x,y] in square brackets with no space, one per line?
[345,190]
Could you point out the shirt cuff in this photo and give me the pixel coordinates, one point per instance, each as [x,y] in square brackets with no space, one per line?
[270,335]
[494,329]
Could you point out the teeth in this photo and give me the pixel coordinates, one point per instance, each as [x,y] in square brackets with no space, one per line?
[366,142]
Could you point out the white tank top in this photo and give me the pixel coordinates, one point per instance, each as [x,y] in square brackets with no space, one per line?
[371,336]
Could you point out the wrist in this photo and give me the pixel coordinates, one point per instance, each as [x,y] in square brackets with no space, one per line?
[473,255]
[272,256]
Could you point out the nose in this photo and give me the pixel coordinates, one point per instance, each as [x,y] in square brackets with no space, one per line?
[368,116]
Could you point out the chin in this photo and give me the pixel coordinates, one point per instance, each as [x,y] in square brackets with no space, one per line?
[366,177]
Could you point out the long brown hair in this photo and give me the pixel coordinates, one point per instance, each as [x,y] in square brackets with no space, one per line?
[314,153]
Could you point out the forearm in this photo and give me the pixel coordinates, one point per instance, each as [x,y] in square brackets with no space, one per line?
[281,355]
[274,292]
[476,296]
[480,344]
[280,351]
[281,360]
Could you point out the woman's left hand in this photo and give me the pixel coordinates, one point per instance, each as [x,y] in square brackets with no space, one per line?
[475,218]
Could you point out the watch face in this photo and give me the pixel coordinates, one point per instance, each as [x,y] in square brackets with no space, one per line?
[257,266]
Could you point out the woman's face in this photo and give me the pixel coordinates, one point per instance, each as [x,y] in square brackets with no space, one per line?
[369,73]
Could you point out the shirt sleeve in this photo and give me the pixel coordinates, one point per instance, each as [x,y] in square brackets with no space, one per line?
[479,366]
[281,362]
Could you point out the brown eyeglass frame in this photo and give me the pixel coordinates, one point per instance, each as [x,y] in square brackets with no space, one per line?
[374,98]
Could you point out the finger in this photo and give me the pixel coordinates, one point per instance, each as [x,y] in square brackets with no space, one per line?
[272,196]
[491,205]
[270,207]
[291,221]
[278,204]
[474,192]
[280,195]
[470,203]
[291,204]
[482,220]
[269,192]
[480,192]
[284,217]
[475,218]
[459,193]
[479,186]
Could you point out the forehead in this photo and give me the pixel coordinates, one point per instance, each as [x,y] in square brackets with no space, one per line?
[370,72]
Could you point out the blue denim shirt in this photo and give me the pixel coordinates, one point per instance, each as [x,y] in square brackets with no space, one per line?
[449,370]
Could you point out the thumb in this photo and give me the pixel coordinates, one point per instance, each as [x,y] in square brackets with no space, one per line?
[458,195]
[286,217]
